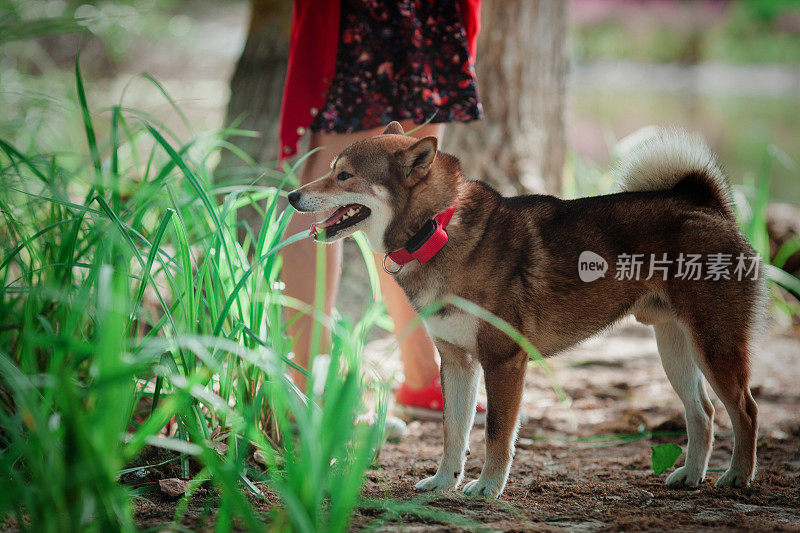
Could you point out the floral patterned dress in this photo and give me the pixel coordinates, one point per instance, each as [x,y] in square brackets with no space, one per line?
[397,60]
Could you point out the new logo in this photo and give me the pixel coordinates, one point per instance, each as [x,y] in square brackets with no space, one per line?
[591,266]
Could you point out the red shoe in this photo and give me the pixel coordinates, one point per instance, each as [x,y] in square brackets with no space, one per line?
[428,403]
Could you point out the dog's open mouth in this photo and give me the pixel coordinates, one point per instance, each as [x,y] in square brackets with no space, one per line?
[342,218]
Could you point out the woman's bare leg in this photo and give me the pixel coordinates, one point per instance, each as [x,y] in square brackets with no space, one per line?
[300,259]
[418,353]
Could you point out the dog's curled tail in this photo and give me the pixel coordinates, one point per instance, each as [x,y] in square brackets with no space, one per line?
[674,159]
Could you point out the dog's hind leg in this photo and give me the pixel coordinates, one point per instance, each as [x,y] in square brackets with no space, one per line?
[459,375]
[504,381]
[677,358]
[725,363]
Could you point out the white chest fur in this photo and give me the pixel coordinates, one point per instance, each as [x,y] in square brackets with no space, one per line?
[457,328]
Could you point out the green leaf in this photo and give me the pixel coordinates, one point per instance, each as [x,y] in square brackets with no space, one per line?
[18,30]
[664,456]
[87,124]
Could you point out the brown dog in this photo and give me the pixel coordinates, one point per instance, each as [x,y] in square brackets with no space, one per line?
[542,264]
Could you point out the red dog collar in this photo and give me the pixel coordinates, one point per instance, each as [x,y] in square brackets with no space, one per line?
[426,243]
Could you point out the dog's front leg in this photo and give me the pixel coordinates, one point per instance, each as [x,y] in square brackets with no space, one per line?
[504,381]
[459,376]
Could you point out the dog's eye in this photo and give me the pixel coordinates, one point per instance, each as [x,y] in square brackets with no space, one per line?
[341,176]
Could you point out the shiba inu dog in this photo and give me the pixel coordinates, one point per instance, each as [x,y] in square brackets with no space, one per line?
[543,265]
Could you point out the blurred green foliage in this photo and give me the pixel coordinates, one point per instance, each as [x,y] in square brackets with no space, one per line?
[116,22]
[753,31]
[768,10]
[38,43]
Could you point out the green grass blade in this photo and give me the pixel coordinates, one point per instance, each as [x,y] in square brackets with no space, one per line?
[174,105]
[787,250]
[88,126]
[151,256]
[232,297]
[369,262]
[784,279]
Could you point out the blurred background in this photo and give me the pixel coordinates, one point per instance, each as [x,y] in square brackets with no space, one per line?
[566,86]
[730,70]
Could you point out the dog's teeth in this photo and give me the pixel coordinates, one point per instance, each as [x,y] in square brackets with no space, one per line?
[349,213]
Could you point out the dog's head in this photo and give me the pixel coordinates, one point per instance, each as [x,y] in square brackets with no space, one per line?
[388,186]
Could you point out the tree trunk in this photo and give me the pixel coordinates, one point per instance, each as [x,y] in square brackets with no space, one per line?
[255,102]
[257,83]
[519,147]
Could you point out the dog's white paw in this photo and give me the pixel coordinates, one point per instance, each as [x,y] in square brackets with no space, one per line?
[483,487]
[438,483]
[733,478]
[684,477]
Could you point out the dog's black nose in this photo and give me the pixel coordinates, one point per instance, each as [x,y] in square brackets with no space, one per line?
[294,196]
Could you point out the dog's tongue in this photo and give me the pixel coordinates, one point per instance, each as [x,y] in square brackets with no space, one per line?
[331,220]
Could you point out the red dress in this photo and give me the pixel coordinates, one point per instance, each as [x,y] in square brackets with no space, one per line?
[365,85]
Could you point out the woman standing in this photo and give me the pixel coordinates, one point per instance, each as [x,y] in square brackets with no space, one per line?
[355,66]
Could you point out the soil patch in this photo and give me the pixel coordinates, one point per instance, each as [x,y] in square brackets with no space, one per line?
[583,465]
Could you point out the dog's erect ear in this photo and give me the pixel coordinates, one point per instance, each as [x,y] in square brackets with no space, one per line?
[417,159]
[394,128]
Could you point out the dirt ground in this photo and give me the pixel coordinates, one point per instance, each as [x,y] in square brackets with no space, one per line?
[585,465]
[574,469]
[556,486]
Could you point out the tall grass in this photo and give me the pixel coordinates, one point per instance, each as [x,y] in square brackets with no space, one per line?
[752,200]
[131,317]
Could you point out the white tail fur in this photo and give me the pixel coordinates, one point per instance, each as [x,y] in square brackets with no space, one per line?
[662,161]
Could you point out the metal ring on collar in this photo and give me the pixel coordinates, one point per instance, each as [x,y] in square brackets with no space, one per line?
[386,269]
